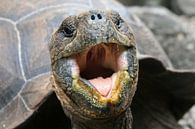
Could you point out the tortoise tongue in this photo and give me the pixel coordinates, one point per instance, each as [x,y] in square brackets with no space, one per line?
[102,85]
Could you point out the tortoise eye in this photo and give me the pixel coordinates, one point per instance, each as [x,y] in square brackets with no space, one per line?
[117,20]
[67,31]
[118,23]
[68,27]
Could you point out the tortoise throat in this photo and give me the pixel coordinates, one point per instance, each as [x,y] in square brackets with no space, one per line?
[98,61]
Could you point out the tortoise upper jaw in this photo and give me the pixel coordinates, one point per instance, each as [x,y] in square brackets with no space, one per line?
[91,33]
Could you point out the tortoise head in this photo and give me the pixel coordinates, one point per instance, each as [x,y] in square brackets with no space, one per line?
[94,64]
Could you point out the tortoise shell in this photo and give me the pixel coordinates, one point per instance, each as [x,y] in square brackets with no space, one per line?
[25,31]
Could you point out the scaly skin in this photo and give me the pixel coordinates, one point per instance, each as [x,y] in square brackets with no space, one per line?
[84,105]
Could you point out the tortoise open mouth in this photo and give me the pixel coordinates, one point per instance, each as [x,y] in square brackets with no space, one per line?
[98,66]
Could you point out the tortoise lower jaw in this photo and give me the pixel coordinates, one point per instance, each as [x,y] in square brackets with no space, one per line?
[112,97]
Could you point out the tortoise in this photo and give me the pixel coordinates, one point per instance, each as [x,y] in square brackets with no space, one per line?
[27,73]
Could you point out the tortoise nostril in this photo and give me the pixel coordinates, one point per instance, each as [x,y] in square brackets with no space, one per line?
[92,17]
[99,16]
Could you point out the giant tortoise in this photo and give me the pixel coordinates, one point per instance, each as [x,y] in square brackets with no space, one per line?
[91,62]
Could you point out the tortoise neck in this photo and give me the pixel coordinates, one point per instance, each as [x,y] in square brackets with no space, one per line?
[123,121]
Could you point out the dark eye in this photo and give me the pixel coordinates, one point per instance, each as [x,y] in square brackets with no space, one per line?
[118,23]
[68,27]
[117,19]
[68,31]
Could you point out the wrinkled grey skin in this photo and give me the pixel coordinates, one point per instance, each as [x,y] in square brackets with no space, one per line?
[179,7]
[172,33]
[177,37]
[183,7]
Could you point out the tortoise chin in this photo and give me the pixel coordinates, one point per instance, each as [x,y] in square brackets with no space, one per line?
[95,71]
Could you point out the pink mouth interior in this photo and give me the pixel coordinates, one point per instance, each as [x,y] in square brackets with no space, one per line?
[98,64]
[102,85]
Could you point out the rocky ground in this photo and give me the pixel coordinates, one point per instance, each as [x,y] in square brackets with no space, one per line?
[171,21]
